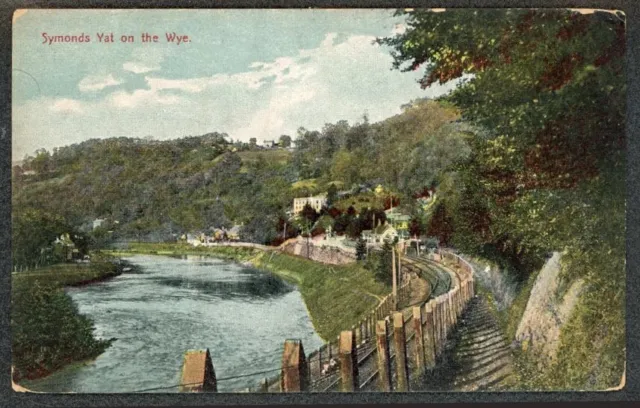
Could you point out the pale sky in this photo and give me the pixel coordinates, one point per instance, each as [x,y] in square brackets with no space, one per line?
[249,73]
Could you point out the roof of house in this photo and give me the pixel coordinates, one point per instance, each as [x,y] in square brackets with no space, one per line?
[382,228]
[394,215]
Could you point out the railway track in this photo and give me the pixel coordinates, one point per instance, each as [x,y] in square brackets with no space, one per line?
[438,277]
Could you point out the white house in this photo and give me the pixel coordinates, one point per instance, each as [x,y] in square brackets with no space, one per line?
[98,222]
[379,234]
[316,202]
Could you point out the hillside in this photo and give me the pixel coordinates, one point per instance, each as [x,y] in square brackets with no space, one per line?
[147,189]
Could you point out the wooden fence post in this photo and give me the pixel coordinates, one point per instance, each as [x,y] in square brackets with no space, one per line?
[466,290]
[294,367]
[429,339]
[400,345]
[372,324]
[454,307]
[445,311]
[384,367]
[419,339]
[439,328]
[446,316]
[198,374]
[394,279]
[348,362]
[447,300]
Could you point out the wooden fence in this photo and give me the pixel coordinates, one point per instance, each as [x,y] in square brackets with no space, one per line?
[386,351]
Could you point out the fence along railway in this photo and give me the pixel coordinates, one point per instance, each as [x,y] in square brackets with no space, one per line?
[391,349]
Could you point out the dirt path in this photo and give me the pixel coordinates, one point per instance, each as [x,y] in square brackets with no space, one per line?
[477,357]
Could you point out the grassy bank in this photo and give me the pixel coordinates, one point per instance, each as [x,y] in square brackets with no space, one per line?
[48,332]
[336,296]
[240,254]
[70,274]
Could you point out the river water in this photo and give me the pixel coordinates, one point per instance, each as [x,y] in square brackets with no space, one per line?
[242,315]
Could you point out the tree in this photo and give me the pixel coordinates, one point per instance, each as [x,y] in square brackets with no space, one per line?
[550,59]
[354,229]
[345,167]
[539,177]
[441,225]
[253,142]
[534,54]
[415,227]
[361,249]
[332,194]
[261,230]
[47,331]
[285,141]
[340,223]
[33,233]
[383,271]
[309,214]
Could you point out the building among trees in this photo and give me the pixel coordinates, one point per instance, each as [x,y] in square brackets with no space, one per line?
[316,202]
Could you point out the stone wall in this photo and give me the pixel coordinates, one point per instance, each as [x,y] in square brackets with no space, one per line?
[318,253]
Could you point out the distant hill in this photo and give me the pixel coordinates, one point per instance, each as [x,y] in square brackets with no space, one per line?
[146,188]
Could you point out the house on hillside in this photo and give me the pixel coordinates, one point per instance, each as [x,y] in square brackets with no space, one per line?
[398,220]
[316,202]
[193,239]
[67,247]
[270,144]
[233,234]
[218,234]
[380,234]
[97,223]
[426,201]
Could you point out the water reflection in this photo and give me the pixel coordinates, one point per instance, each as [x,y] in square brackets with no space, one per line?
[242,315]
[255,286]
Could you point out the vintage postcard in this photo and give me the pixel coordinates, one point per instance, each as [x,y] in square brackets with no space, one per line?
[326,200]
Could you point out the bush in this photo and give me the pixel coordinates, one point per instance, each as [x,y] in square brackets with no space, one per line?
[47,330]
[380,262]
[361,249]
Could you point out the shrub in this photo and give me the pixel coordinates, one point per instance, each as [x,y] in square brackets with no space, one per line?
[47,330]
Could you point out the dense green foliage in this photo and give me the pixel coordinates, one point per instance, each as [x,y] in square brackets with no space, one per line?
[47,332]
[381,263]
[548,172]
[158,190]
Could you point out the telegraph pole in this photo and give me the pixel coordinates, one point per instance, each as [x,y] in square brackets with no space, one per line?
[394,278]
[399,258]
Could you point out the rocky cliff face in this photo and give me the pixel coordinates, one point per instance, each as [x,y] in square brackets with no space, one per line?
[547,312]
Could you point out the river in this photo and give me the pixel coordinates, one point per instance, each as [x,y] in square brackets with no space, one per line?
[178,303]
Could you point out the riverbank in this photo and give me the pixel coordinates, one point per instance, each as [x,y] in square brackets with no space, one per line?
[48,332]
[336,296]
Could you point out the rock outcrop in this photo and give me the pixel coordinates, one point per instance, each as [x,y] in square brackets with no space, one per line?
[546,312]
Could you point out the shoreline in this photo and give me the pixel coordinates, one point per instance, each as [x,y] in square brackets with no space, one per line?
[59,277]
